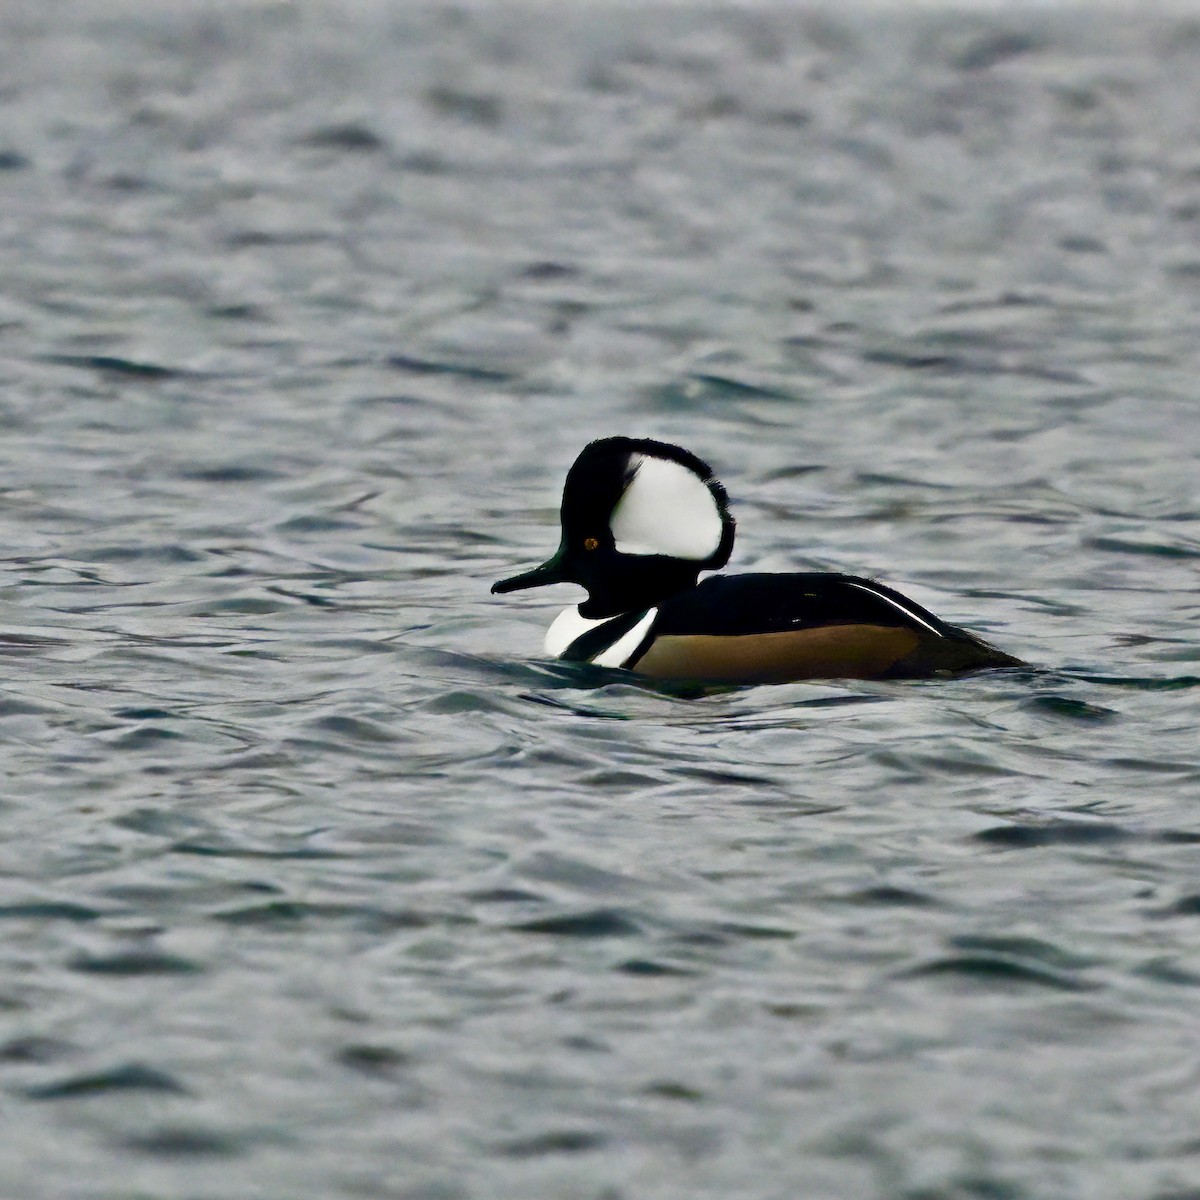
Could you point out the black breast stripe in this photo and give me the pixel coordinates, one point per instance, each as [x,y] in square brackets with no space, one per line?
[587,645]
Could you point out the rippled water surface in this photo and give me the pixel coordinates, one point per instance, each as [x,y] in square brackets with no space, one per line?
[317,880]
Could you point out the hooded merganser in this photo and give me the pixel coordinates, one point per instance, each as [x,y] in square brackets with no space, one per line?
[641,519]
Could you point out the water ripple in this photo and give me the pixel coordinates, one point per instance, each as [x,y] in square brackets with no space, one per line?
[317,878]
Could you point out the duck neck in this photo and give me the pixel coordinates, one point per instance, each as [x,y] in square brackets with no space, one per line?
[634,591]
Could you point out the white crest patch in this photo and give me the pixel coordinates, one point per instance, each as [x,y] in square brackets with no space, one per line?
[666,509]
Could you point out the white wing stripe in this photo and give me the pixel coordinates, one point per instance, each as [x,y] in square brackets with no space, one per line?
[908,612]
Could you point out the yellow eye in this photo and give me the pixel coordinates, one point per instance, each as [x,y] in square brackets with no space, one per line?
[590,543]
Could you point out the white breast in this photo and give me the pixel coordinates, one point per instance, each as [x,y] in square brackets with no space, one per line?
[565,628]
[569,625]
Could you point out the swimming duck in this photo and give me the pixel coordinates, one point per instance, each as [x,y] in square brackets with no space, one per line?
[642,518]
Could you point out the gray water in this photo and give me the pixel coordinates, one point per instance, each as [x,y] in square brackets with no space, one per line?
[317,880]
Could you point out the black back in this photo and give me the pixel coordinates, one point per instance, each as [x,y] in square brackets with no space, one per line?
[777,603]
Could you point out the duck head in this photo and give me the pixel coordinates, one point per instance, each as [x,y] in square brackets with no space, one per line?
[640,520]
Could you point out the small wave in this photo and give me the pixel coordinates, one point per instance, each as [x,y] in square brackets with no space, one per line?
[111,364]
[128,1077]
[598,923]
